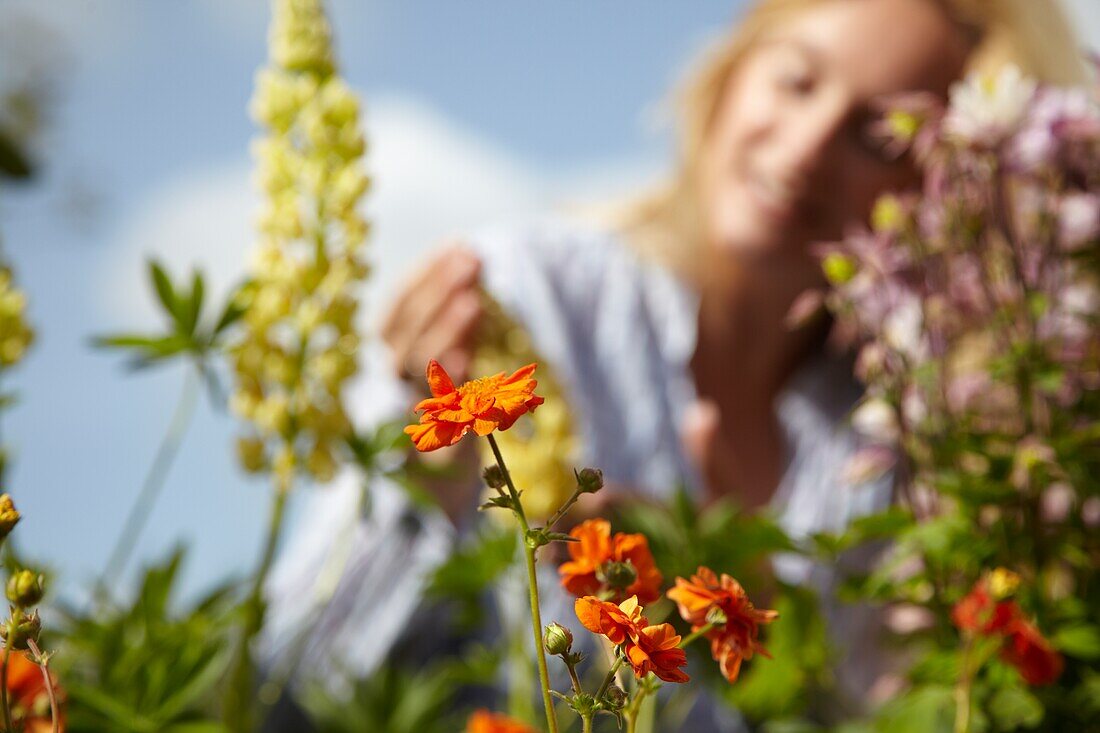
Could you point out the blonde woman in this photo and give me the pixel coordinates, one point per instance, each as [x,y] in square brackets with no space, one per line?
[667,328]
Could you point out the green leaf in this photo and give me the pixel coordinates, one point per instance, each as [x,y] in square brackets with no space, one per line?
[1080,640]
[922,709]
[200,726]
[231,312]
[191,306]
[1015,707]
[165,293]
[196,688]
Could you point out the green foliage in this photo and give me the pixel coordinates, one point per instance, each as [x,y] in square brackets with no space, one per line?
[682,537]
[186,335]
[469,573]
[402,701]
[146,668]
[922,709]
[788,683]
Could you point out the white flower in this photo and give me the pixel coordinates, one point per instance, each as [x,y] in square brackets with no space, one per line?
[1078,220]
[902,329]
[876,419]
[984,110]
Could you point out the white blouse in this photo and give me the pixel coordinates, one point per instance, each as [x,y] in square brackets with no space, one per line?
[619,333]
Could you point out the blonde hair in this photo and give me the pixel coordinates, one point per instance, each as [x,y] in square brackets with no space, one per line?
[1032,34]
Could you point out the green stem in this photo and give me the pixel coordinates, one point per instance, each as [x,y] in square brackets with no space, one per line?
[586,724]
[573,677]
[532,591]
[962,690]
[151,487]
[239,690]
[610,676]
[4,681]
[564,508]
[55,717]
[695,635]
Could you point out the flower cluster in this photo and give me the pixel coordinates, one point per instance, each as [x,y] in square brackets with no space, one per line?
[974,307]
[15,334]
[619,568]
[612,567]
[988,610]
[299,345]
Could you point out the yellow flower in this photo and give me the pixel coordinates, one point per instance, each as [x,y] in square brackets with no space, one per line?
[541,452]
[15,335]
[299,347]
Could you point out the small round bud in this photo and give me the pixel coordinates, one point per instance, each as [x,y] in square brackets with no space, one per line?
[617,575]
[838,268]
[557,639]
[25,588]
[590,480]
[494,477]
[9,516]
[614,698]
[251,454]
[21,629]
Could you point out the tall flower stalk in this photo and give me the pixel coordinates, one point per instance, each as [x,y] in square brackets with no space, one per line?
[298,346]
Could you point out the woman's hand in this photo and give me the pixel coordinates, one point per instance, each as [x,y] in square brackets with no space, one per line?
[435,315]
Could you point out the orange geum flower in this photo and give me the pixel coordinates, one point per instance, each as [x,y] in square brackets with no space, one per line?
[483,721]
[1029,652]
[647,648]
[597,550]
[658,651]
[619,624]
[706,599]
[982,611]
[482,405]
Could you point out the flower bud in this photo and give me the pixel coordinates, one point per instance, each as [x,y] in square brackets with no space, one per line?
[494,477]
[617,575]
[9,516]
[888,215]
[903,125]
[557,639]
[590,480]
[838,268]
[1003,583]
[251,454]
[25,588]
[614,698]
[21,629]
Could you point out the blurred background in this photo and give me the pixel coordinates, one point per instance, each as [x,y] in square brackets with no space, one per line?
[476,112]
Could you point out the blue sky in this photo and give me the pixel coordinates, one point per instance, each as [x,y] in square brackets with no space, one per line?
[477,111]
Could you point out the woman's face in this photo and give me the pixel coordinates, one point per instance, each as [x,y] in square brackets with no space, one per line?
[790,158]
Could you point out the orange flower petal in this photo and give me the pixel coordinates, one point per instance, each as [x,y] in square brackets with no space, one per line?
[439,382]
[433,436]
[482,721]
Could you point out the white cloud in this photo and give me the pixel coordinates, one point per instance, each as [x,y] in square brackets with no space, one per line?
[432,180]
